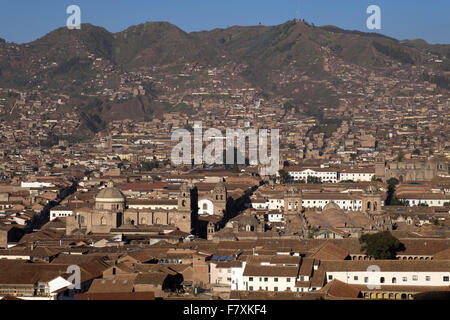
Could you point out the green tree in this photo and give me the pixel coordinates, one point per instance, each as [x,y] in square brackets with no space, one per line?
[312,179]
[149,166]
[381,245]
[391,199]
[392,182]
[422,205]
[374,178]
[400,156]
[284,176]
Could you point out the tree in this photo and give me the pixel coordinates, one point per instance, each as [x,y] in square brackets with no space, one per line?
[381,245]
[149,166]
[313,179]
[400,156]
[374,178]
[392,182]
[391,199]
[422,205]
[284,176]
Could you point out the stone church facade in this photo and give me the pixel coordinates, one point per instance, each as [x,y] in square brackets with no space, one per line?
[110,212]
[410,170]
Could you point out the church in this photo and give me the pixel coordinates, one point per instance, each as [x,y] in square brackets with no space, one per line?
[111,211]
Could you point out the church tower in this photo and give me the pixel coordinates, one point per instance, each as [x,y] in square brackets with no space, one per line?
[182,218]
[380,166]
[219,200]
[371,201]
[292,201]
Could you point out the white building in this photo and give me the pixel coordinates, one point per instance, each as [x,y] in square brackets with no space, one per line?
[430,199]
[345,201]
[60,212]
[271,273]
[36,184]
[356,175]
[275,216]
[389,272]
[325,174]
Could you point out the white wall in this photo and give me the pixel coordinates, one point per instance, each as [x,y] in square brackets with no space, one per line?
[275,217]
[326,176]
[430,202]
[436,278]
[35,184]
[344,204]
[356,176]
[259,283]
[209,207]
[237,278]
[60,213]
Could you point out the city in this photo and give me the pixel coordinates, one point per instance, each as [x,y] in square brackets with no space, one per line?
[93,205]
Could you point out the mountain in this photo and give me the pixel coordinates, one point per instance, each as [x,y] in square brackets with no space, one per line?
[291,60]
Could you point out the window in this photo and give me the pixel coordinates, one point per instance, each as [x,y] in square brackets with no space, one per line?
[250,288]
[275,289]
[288,288]
[288,279]
[415,278]
[330,277]
[404,279]
[266,279]
[427,278]
[355,278]
[445,278]
[250,279]
[302,278]
[366,279]
[394,280]
[275,279]
[382,280]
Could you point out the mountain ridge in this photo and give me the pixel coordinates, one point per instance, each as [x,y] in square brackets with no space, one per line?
[290,61]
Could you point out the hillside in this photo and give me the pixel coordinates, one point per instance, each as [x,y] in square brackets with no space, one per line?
[279,61]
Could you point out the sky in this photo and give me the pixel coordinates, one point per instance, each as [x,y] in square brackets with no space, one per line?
[27,20]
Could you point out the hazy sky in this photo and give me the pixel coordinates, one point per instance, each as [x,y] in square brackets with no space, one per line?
[26,20]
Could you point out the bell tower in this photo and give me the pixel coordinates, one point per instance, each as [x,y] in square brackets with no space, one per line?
[380,166]
[292,201]
[219,195]
[183,218]
[371,200]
